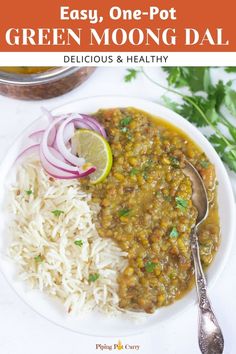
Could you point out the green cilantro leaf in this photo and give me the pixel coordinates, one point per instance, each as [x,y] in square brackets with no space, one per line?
[194,116]
[174,233]
[204,163]
[125,121]
[132,74]
[195,78]
[78,243]
[29,192]
[93,277]
[57,212]
[188,111]
[226,154]
[181,203]
[230,69]
[216,95]
[174,161]
[176,76]
[230,99]
[150,266]
[38,258]
[124,212]
[134,171]
[232,131]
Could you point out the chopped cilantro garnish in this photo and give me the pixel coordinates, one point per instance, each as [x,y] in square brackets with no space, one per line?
[204,163]
[134,171]
[78,243]
[29,192]
[125,121]
[57,212]
[124,212]
[38,258]
[174,233]
[181,203]
[174,161]
[93,277]
[150,266]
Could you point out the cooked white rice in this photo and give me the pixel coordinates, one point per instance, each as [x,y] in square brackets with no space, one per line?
[43,244]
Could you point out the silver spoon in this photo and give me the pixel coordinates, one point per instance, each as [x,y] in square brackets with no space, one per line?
[210,337]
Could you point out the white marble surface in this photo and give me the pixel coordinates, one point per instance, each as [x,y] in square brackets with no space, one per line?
[24,332]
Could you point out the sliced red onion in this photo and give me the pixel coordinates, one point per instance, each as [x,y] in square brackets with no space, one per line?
[69,132]
[82,124]
[55,145]
[57,154]
[38,135]
[60,140]
[52,136]
[99,127]
[59,164]
[47,153]
[93,123]
[49,156]
[55,172]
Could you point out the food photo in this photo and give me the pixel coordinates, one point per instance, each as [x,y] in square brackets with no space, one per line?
[117,199]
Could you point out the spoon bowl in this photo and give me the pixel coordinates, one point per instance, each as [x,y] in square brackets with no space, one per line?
[210,337]
[199,193]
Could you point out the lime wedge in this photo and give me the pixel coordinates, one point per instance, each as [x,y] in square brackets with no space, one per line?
[96,151]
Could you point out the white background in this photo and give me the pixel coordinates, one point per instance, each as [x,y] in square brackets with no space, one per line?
[24,332]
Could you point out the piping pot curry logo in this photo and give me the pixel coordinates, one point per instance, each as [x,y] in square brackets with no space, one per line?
[119,346]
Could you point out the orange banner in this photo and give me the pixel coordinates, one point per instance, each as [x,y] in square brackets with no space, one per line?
[121,25]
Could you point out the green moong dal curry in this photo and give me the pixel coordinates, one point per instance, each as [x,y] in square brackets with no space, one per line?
[146,207]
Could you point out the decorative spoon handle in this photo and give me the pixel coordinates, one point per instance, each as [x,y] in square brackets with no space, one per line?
[210,336]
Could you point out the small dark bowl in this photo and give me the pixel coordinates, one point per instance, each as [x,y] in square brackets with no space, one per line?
[48,84]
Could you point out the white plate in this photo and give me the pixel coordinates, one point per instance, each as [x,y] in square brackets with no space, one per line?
[94,323]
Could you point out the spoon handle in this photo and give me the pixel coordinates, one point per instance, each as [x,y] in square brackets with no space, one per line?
[210,337]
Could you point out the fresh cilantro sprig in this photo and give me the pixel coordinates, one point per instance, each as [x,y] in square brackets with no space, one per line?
[38,259]
[78,243]
[174,233]
[29,192]
[124,212]
[203,105]
[125,121]
[150,266]
[132,74]
[93,277]
[57,212]
[181,203]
